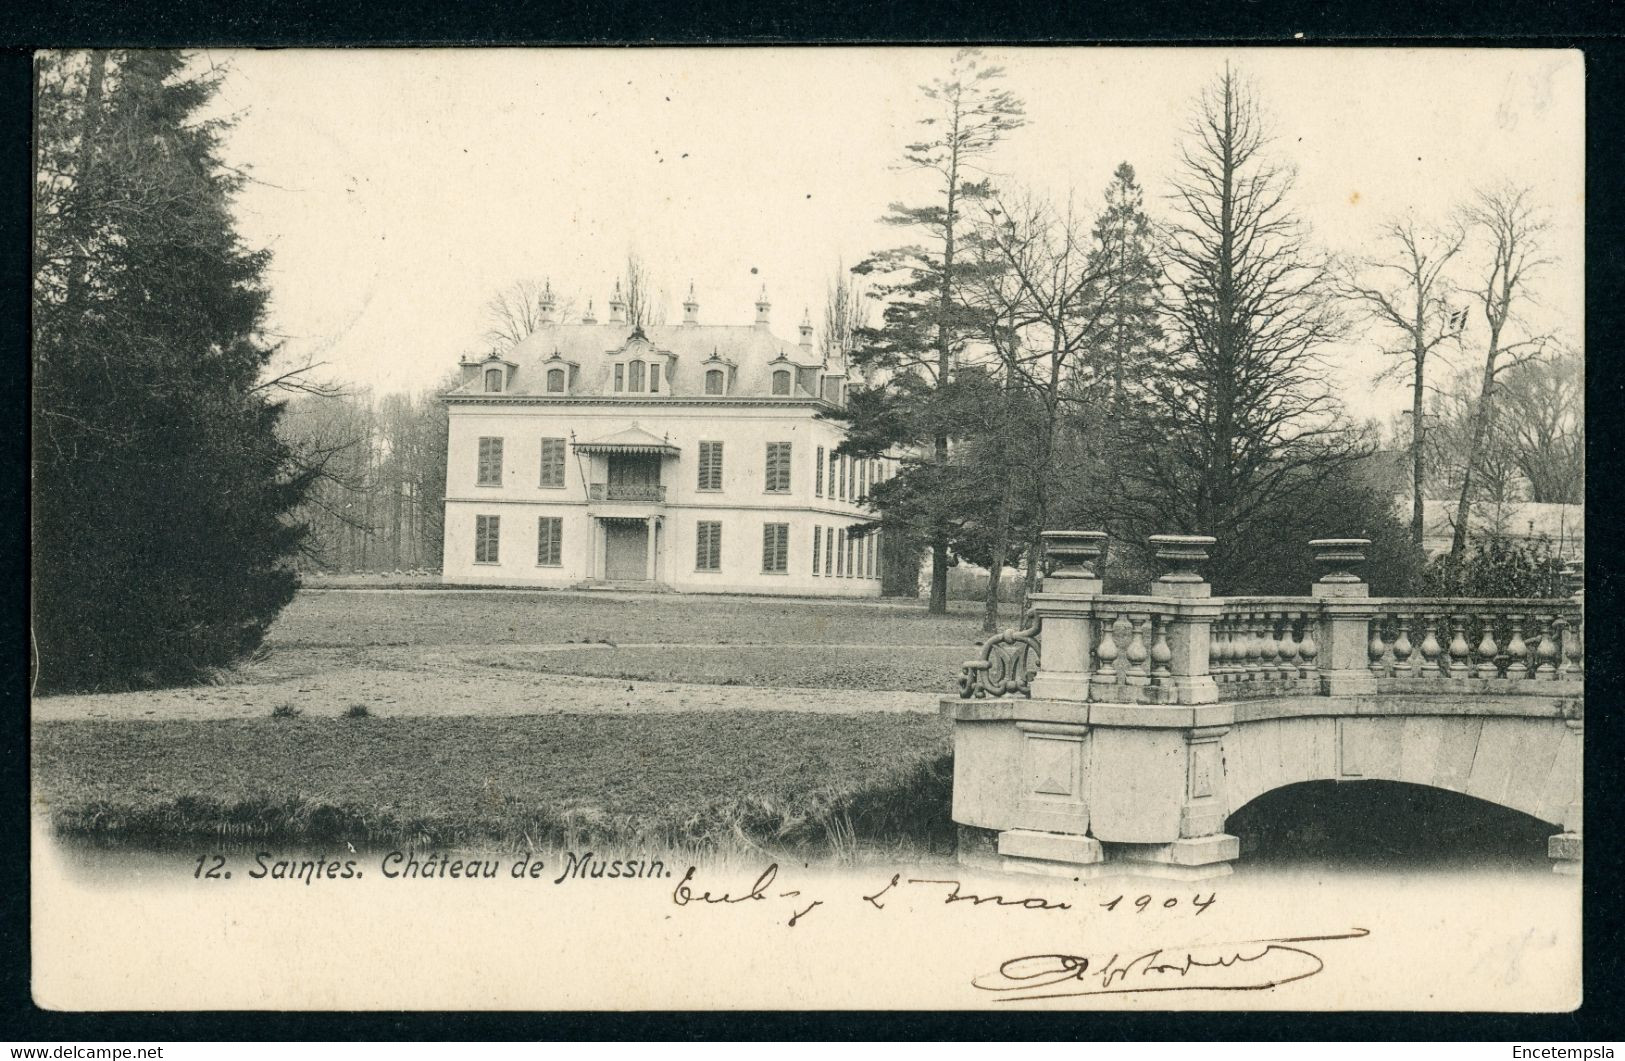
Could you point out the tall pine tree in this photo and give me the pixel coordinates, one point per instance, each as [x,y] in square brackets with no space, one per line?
[161,492]
[915,350]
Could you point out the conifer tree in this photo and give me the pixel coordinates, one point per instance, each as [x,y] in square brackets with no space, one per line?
[916,348]
[161,490]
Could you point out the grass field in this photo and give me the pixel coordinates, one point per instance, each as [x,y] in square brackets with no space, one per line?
[483,730]
[779,780]
[912,668]
[346,618]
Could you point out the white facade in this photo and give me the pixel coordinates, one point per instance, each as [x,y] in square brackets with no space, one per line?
[561,472]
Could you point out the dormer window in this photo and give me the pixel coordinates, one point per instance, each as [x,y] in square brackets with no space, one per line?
[634,377]
[555,380]
[493,381]
[654,377]
[714,381]
[781,382]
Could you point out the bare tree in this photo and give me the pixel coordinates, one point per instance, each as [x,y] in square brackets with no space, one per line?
[1544,429]
[1241,420]
[645,306]
[514,313]
[1404,291]
[1041,294]
[846,310]
[1509,224]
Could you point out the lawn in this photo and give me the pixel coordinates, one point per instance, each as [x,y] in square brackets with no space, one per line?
[906,668]
[349,618]
[781,780]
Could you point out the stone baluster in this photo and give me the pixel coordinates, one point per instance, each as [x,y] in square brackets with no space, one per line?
[1309,647]
[1403,668]
[1269,649]
[1377,649]
[1546,651]
[1432,651]
[1288,645]
[1065,608]
[1104,684]
[1517,650]
[1458,645]
[1161,654]
[1136,654]
[1487,649]
[1573,650]
[1252,646]
[1217,650]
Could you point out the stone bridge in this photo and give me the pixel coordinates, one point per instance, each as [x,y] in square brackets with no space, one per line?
[1152,718]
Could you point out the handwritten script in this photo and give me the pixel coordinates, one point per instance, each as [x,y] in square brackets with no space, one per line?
[1253,965]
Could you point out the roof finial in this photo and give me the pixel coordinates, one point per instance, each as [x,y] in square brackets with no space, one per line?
[691,308]
[762,306]
[588,318]
[806,328]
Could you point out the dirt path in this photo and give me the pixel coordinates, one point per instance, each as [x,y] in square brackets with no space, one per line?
[437,682]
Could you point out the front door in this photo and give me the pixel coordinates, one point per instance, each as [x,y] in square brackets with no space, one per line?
[626,551]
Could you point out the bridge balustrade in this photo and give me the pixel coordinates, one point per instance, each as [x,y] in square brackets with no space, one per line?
[1125,728]
[1259,647]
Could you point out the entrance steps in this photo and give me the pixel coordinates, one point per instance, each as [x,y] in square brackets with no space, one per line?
[623,585]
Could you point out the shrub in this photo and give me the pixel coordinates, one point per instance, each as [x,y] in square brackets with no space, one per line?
[357,711]
[1498,566]
[286,711]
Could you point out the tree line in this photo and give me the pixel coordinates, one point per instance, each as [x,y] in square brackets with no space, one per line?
[1153,371]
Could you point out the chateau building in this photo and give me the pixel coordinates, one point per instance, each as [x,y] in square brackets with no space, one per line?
[681,456]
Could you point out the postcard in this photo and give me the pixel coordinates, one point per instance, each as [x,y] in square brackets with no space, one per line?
[799,528]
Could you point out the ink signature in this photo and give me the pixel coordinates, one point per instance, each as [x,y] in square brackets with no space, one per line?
[1253,965]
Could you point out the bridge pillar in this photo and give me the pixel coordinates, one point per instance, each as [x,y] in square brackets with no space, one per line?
[1345,616]
[1566,849]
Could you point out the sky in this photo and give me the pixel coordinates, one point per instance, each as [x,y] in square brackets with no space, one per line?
[398,190]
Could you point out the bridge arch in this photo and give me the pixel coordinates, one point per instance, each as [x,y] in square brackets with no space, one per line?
[1526,764]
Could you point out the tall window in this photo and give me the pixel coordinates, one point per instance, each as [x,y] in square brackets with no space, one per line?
[829,550]
[833,462]
[555,381]
[851,556]
[818,540]
[781,382]
[708,546]
[620,378]
[713,381]
[778,468]
[549,540]
[634,377]
[710,466]
[775,548]
[654,377]
[493,380]
[553,462]
[818,474]
[487,533]
[490,462]
[840,552]
[845,461]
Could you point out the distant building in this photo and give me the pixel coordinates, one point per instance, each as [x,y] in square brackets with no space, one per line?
[684,456]
[1564,525]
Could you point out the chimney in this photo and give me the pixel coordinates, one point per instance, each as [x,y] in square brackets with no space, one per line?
[617,306]
[548,305]
[587,317]
[806,329]
[691,309]
[762,306]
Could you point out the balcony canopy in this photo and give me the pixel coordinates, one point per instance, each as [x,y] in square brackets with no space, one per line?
[633,440]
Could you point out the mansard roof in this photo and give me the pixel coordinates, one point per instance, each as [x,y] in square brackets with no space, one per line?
[685,348]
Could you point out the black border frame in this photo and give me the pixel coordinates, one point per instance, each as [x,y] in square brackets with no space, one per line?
[1585,25]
